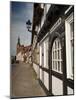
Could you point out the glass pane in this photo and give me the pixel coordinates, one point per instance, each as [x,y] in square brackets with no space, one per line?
[61,65]
[55,45]
[58,66]
[58,44]
[55,55]
[58,54]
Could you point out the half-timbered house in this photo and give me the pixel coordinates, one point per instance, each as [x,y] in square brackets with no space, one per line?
[53,47]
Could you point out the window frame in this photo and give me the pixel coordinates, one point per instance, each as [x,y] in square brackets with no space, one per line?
[56,47]
[68,22]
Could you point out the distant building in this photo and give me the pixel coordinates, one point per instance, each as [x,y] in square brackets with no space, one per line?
[23,53]
[53,47]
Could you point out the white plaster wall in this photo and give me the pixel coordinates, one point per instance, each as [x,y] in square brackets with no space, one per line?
[47,7]
[46,80]
[57,86]
[70,90]
[40,55]
[45,44]
[44,54]
[41,74]
[36,68]
[38,29]
[43,19]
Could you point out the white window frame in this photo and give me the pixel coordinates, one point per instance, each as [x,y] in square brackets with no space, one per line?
[68,21]
[56,57]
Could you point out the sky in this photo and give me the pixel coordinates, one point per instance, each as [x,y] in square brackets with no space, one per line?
[20,12]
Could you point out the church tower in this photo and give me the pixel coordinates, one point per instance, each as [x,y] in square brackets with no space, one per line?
[18,46]
[18,43]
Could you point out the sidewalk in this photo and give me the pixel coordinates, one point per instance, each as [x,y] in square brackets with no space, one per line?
[24,81]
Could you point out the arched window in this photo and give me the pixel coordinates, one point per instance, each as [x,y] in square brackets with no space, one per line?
[56,56]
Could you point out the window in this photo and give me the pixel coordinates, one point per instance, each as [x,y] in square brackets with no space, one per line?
[56,56]
[69,33]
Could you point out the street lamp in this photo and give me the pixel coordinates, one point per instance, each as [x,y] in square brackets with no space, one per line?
[28,24]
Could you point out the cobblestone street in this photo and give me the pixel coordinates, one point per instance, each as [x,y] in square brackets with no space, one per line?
[24,82]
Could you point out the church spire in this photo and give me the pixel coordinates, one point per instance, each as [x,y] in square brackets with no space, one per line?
[18,41]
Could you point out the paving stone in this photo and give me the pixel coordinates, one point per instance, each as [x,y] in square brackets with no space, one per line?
[24,81]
